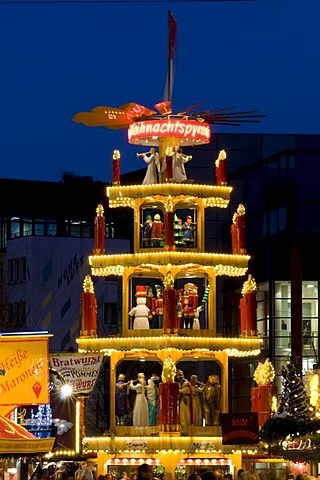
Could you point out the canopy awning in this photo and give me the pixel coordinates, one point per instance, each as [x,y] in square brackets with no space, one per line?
[16,439]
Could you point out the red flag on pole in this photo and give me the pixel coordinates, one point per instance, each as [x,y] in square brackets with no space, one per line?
[171,56]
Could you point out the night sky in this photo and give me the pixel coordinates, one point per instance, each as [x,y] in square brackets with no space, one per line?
[59,58]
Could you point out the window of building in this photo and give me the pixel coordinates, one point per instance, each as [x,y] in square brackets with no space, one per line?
[15,227]
[86,230]
[17,270]
[282,328]
[310,319]
[17,315]
[39,227]
[75,229]
[3,232]
[263,310]
[27,227]
[10,271]
[16,263]
[51,229]
[23,268]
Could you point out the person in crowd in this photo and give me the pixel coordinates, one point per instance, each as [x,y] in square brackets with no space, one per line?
[140,408]
[153,166]
[227,476]
[208,475]
[194,476]
[145,472]
[239,474]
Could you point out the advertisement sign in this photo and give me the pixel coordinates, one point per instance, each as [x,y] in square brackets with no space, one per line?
[24,370]
[79,370]
[240,428]
[188,131]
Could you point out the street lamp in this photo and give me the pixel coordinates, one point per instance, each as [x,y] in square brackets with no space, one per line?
[58,383]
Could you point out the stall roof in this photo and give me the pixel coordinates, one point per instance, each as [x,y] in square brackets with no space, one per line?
[16,439]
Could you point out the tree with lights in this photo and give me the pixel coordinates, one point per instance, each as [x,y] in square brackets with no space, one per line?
[297,399]
[292,431]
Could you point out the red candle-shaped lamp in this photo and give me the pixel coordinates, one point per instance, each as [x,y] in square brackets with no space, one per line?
[264,397]
[99,231]
[116,168]
[221,177]
[169,164]
[169,305]
[248,308]
[169,421]
[169,231]
[241,224]
[238,231]
[88,309]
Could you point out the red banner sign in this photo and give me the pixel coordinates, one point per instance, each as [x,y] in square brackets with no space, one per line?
[188,131]
[240,428]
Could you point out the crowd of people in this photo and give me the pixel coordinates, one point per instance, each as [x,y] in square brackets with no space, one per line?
[146,472]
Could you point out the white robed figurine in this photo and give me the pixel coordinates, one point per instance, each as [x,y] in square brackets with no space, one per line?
[153,166]
[179,159]
[140,408]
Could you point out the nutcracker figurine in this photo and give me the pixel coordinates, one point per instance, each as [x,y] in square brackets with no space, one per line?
[189,304]
[150,304]
[158,307]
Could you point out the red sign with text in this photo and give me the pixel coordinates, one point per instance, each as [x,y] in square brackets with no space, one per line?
[240,428]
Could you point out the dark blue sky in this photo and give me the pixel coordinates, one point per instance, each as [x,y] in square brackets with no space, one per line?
[60,58]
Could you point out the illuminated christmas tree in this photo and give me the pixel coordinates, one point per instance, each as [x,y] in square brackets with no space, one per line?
[297,399]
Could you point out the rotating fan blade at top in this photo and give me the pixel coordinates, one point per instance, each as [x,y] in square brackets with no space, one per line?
[113,117]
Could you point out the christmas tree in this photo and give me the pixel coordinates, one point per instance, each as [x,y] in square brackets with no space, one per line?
[178,233]
[296,403]
[294,418]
